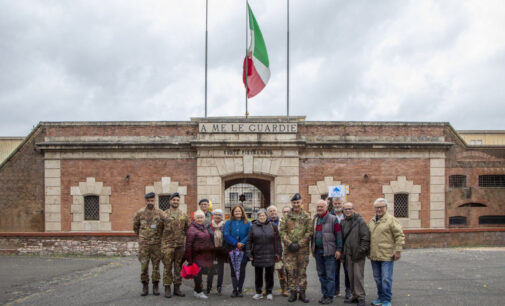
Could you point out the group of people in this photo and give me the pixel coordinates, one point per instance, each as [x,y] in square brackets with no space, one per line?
[335,236]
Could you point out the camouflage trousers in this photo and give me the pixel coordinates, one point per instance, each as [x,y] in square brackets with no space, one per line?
[296,268]
[172,259]
[149,253]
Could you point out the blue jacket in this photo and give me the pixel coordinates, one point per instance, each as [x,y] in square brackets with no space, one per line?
[236,231]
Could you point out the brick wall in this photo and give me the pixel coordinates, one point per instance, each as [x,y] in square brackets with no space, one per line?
[125,244]
[170,129]
[364,192]
[22,188]
[126,196]
[365,129]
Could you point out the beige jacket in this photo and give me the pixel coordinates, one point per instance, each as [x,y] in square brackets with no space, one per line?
[386,237]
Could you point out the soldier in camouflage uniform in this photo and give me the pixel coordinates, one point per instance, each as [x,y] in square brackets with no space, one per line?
[296,233]
[148,225]
[176,224]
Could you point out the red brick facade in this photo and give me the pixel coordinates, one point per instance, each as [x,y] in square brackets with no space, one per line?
[129,156]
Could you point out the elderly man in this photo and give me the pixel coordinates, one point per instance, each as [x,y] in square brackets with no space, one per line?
[204,206]
[356,238]
[326,248]
[176,225]
[296,232]
[386,243]
[273,215]
[148,226]
[338,211]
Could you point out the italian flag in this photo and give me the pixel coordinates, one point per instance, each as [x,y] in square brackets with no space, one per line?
[256,60]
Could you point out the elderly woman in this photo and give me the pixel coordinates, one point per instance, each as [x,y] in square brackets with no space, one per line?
[216,230]
[235,234]
[199,250]
[263,249]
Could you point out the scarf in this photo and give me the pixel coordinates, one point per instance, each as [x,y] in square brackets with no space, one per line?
[218,233]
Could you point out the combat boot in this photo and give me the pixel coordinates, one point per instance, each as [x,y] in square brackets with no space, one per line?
[156,290]
[168,292]
[292,296]
[302,297]
[177,290]
[284,292]
[145,288]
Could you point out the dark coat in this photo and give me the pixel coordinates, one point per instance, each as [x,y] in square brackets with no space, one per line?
[261,243]
[356,236]
[199,245]
[220,253]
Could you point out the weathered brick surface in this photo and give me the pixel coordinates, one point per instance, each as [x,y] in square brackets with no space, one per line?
[364,192]
[124,130]
[127,245]
[127,196]
[370,130]
[22,189]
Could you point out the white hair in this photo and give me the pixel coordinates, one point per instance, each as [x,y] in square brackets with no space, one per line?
[272,207]
[199,213]
[322,202]
[380,200]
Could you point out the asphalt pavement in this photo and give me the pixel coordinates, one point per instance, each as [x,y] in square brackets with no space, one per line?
[474,276]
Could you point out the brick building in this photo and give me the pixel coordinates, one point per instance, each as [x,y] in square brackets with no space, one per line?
[92,176]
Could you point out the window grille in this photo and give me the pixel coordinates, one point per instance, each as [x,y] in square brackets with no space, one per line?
[91,208]
[472,205]
[164,202]
[233,196]
[401,205]
[492,220]
[457,220]
[248,196]
[492,180]
[457,181]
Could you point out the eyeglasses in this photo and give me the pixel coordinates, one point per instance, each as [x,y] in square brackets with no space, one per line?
[379,207]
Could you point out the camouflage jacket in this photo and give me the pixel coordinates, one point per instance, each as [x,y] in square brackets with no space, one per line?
[296,228]
[174,229]
[148,225]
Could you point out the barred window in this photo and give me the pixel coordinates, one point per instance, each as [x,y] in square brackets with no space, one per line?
[248,196]
[492,180]
[233,196]
[457,220]
[401,205]
[492,220]
[457,181]
[91,208]
[164,202]
[472,205]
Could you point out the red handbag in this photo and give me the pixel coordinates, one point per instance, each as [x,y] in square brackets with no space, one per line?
[189,272]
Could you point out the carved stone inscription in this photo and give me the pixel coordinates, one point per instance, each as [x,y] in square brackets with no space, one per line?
[250,127]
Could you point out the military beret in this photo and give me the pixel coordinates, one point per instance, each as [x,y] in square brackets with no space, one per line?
[203,200]
[174,195]
[296,197]
[150,195]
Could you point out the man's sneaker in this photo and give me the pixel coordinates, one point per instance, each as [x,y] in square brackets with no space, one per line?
[200,295]
[386,304]
[257,296]
[348,295]
[377,302]
[361,302]
[270,297]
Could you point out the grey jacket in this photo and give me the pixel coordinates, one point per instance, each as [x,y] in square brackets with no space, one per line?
[356,236]
[332,235]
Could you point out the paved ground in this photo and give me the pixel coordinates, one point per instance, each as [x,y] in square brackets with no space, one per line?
[422,277]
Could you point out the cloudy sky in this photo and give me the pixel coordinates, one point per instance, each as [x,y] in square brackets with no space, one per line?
[110,60]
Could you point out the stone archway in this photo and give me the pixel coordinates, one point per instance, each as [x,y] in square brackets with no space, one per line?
[214,169]
[262,185]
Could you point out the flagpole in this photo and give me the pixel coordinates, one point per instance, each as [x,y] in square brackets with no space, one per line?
[206,51]
[287,72]
[246,59]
